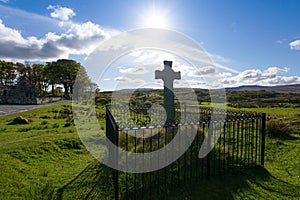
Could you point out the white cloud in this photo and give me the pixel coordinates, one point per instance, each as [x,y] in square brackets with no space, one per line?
[4,1]
[225,74]
[61,13]
[76,38]
[15,46]
[133,70]
[189,84]
[190,71]
[27,21]
[205,70]
[157,56]
[147,56]
[193,54]
[219,58]
[273,71]
[8,34]
[79,38]
[268,77]
[295,45]
[129,80]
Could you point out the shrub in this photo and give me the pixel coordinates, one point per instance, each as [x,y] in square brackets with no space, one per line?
[279,128]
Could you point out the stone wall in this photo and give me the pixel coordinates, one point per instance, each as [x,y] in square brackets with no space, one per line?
[42,100]
[18,100]
[27,100]
[23,93]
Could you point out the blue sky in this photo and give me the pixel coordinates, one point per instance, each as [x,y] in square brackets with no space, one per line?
[258,41]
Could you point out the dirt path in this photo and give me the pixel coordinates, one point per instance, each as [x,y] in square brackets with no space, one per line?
[12,109]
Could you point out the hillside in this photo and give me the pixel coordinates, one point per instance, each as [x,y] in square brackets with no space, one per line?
[240,97]
[280,89]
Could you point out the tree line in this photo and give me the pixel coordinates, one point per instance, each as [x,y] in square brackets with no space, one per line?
[46,78]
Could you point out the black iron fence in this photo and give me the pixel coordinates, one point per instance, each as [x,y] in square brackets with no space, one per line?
[239,145]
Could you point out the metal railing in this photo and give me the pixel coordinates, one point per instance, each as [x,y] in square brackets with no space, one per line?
[240,145]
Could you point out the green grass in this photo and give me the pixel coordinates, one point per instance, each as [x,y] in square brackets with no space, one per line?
[292,115]
[38,158]
[280,179]
[46,160]
[277,111]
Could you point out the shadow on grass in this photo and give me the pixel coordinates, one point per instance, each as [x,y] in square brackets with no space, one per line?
[285,137]
[94,182]
[256,183]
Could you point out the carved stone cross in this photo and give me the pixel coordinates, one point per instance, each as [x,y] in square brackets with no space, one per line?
[168,76]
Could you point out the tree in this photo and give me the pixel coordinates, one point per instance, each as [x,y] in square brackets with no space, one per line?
[24,70]
[38,78]
[7,73]
[35,74]
[84,86]
[63,71]
[50,74]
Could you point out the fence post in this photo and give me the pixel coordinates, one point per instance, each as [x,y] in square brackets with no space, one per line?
[185,120]
[263,139]
[116,133]
[208,158]
[112,133]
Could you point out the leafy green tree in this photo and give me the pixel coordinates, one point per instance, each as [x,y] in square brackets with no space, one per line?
[63,71]
[50,74]
[35,73]
[38,78]
[24,70]
[7,73]
[84,86]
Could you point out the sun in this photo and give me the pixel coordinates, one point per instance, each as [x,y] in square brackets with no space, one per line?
[155,18]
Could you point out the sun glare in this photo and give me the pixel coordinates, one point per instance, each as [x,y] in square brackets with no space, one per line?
[155,18]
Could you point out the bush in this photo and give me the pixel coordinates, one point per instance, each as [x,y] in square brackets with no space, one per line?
[279,128]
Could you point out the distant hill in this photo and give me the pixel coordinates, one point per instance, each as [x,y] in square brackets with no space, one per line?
[281,88]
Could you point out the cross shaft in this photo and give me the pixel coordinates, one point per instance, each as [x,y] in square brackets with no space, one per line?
[168,75]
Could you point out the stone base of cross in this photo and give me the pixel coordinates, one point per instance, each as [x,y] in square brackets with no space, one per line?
[168,75]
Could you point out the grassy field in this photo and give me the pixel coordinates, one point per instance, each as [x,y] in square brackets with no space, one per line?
[280,179]
[38,158]
[46,160]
